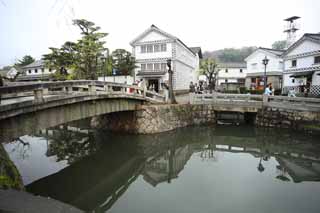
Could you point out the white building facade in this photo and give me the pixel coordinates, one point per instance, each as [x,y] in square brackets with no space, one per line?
[302,65]
[36,71]
[256,69]
[231,76]
[153,48]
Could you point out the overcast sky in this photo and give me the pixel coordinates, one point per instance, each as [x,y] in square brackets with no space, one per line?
[30,27]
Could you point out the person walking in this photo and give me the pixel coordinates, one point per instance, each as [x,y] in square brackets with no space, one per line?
[191,87]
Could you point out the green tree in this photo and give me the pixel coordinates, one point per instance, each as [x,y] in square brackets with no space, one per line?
[27,59]
[230,54]
[123,62]
[61,59]
[279,45]
[84,57]
[209,67]
[90,49]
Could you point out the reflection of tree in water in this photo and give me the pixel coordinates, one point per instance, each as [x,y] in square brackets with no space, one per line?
[69,145]
[21,147]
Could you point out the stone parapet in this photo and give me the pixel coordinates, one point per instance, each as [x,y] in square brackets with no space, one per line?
[287,118]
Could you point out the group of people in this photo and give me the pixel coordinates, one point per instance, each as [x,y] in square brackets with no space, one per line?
[197,88]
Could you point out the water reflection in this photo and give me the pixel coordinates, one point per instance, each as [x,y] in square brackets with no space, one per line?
[101,166]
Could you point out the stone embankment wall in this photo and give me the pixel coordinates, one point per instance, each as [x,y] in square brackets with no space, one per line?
[157,118]
[287,118]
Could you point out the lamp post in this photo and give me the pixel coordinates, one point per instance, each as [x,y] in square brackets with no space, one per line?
[171,94]
[265,63]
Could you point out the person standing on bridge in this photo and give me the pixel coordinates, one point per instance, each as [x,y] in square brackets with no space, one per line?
[268,90]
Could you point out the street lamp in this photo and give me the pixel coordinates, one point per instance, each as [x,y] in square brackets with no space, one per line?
[171,94]
[265,62]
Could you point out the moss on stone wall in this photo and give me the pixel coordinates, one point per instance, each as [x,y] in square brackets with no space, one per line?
[9,174]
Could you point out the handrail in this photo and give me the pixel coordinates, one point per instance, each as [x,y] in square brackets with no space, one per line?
[263,100]
[40,89]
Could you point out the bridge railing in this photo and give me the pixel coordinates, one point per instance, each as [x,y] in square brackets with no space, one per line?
[223,99]
[40,90]
[312,104]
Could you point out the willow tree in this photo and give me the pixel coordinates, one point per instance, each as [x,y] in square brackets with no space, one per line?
[210,68]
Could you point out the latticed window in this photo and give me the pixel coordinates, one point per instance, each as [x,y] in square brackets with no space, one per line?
[156,48]
[149,66]
[163,66]
[163,47]
[143,66]
[143,48]
[156,67]
[149,48]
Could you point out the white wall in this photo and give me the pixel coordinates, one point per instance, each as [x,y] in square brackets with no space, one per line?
[146,55]
[153,36]
[274,64]
[118,79]
[232,73]
[184,74]
[39,69]
[305,46]
[302,62]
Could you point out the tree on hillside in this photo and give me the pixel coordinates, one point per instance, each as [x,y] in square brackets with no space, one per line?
[279,45]
[209,68]
[27,59]
[85,57]
[229,54]
[123,62]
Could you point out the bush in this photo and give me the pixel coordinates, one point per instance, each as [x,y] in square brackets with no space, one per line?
[243,90]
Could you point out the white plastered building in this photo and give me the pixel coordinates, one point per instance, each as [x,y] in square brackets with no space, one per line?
[153,48]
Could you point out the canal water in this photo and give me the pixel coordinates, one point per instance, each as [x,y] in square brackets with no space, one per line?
[193,169]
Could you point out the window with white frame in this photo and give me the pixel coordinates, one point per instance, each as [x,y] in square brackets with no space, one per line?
[143,48]
[149,66]
[163,47]
[156,48]
[294,63]
[317,59]
[156,67]
[143,67]
[149,48]
[241,71]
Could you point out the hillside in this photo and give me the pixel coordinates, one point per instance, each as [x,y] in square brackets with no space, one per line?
[229,54]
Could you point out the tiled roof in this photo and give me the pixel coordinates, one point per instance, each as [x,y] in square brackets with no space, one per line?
[37,63]
[315,36]
[273,51]
[196,50]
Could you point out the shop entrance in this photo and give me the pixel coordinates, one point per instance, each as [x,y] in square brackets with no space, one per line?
[153,84]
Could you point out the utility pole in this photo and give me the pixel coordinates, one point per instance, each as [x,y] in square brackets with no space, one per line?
[171,94]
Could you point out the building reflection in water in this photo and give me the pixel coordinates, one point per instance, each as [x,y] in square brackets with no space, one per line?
[102,166]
